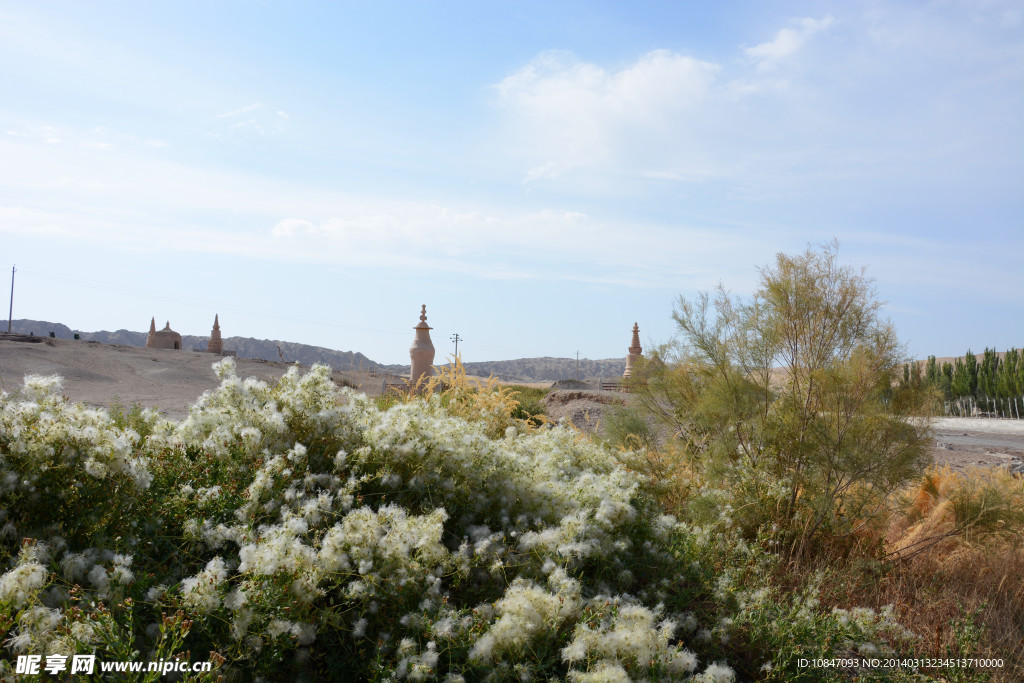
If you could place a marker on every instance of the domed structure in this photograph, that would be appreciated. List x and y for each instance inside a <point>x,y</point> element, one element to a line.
<point>162,339</point>
<point>421,351</point>
<point>216,344</point>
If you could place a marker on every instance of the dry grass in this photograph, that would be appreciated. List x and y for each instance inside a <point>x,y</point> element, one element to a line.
<point>485,401</point>
<point>949,554</point>
<point>953,550</point>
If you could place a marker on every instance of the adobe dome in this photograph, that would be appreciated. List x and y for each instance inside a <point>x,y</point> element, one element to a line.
<point>163,339</point>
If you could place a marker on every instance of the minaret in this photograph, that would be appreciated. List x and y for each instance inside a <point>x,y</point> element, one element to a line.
<point>421,351</point>
<point>216,344</point>
<point>152,333</point>
<point>634,351</point>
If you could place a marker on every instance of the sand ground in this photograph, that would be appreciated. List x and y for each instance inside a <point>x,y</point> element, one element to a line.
<point>168,380</point>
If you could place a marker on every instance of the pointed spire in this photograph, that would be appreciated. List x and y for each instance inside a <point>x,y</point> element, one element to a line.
<point>152,324</point>
<point>216,343</point>
<point>422,350</point>
<point>634,351</point>
<point>635,346</point>
<point>152,333</point>
<point>423,319</point>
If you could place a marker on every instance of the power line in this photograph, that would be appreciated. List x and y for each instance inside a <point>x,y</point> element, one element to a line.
<point>10,311</point>
<point>198,303</point>
<point>206,304</point>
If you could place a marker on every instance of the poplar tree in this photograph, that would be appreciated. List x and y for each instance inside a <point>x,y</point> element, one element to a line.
<point>960,384</point>
<point>932,372</point>
<point>971,364</point>
<point>1007,382</point>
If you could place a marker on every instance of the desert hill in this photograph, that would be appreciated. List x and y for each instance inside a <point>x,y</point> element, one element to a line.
<point>100,374</point>
<point>245,347</point>
<point>546,369</point>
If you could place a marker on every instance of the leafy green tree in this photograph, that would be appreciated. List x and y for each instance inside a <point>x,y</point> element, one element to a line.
<point>947,381</point>
<point>931,371</point>
<point>788,397</point>
<point>971,363</point>
<point>1006,381</point>
<point>960,383</point>
<point>1020,373</point>
<point>987,392</point>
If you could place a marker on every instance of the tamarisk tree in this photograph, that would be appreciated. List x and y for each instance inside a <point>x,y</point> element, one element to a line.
<point>788,396</point>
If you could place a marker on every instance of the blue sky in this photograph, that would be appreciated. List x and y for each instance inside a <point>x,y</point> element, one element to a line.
<point>540,174</point>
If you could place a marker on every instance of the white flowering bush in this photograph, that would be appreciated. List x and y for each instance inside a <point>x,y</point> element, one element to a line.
<point>299,530</point>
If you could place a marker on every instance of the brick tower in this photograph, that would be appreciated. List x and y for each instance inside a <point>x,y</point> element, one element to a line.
<point>216,344</point>
<point>421,351</point>
<point>634,351</point>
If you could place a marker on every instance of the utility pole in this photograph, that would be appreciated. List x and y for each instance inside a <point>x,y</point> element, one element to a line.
<point>10,312</point>
<point>456,338</point>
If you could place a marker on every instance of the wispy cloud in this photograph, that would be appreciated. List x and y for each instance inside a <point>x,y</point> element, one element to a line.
<point>244,122</point>
<point>786,42</point>
<point>241,110</point>
<point>137,200</point>
<point>792,116</point>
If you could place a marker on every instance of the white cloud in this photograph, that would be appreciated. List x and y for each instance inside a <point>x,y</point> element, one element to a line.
<point>252,119</point>
<point>786,42</point>
<point>901,101</point>
<point>242,110</point>
<point>290,227</point>
<point>133,199</point>
<point>250,124</point>
<point>581,114</point>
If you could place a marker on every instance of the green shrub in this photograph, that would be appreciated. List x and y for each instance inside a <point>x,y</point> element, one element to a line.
<point>629,428</point>
<point>300,531</point>
<point>785,400</point>
<point>529,404</point>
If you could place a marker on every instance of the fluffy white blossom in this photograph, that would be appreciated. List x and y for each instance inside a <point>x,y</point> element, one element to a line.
<point>21,583</point>
<point>201,592</point>
<point>525,612</point>
<point>375,522</point>
<point>717,673</point>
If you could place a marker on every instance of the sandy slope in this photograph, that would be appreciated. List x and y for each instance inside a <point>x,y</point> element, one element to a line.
<point>169,380</point>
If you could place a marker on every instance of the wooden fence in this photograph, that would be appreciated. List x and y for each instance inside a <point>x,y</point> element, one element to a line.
<point>1001,408</point>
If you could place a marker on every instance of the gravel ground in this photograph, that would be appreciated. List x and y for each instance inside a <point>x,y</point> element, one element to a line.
<point>963,443</point>
<point>582,408</point>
